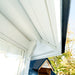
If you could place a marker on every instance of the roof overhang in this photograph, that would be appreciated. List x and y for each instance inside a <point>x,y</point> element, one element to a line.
<point>43,21</point>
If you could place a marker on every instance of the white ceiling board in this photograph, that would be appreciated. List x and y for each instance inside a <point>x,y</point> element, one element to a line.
<point>46,55</point>
<point>31,22</point>
<point>36,9</point>
<point>42,48</point>
<point>15,13</point>
<point>11,32</point>
<point>27,7</point>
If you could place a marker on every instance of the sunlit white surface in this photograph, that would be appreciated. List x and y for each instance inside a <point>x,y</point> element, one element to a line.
<point>72,25</point>
<point>8,64</point>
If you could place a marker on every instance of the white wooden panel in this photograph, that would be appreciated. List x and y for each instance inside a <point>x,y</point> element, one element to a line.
<point>46,55</point>
<point>33,19</point>
<point>44,50</point>
<point>15,13</point>
<point>7,29</point>
<point>37,11</point>
<point>52,18</point>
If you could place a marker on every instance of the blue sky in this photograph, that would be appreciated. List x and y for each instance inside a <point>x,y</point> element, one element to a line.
<point>72,20</point>
<point>72,15</point>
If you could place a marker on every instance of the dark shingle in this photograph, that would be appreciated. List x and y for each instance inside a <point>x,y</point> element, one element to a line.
<point>35,64</point>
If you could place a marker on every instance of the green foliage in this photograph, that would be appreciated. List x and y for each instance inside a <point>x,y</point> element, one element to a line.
<point>65,64</point>
<point>60,65</point>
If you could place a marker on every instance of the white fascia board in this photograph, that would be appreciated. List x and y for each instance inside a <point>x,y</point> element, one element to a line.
<point>58,10</point>
<point>46,55</point>
<point>44,50</point>
<point>53,7</point>
<point>58,13</point>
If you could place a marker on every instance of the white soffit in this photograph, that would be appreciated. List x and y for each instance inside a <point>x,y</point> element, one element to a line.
<point>37,11</point>
<point>46,16</point>
<point>43,14</point>
<point>15,13</point>
<point>44,50</point>
<point>28,20</point>
<point>10,32</point>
